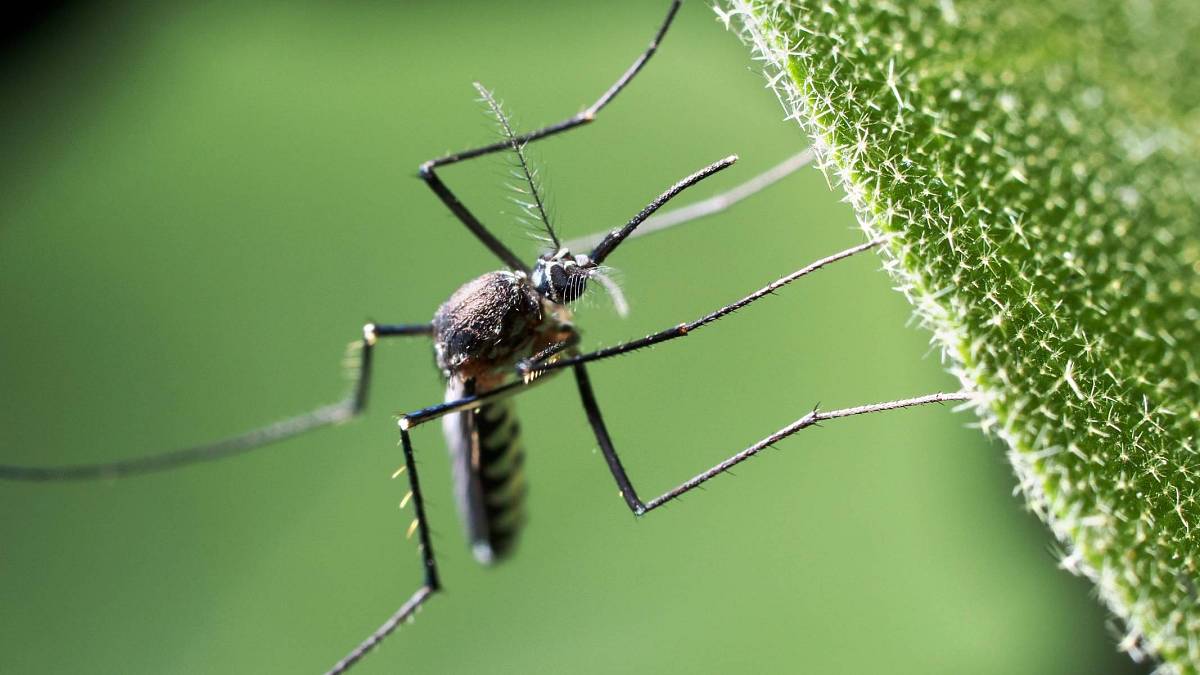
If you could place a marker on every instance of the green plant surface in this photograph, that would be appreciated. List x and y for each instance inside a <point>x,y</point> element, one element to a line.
<point>1036,167</point>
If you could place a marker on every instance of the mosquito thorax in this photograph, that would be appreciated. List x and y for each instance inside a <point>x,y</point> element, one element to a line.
<point>562,277</point>
<point>492,322</point>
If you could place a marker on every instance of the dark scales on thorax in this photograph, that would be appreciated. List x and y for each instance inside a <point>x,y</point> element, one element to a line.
<point>488,325</point>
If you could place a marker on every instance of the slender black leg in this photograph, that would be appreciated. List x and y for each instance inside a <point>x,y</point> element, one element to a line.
<point>372,332</point>
<point>343,410</point>
<point>537,368</point>
<point>428,169</point>
<point>433,412</point>
<point>431,584</point>
<point>606,445</point>
<point>815,417</point>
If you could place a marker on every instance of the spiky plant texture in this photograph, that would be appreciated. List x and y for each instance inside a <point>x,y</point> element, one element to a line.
<point>1037,165</point>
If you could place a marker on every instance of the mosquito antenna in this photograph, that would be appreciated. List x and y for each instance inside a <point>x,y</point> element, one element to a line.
<point>614,238</point>
<point>538,206</point>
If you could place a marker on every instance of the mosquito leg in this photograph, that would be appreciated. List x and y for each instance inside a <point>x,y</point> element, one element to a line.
<point>815,417</point>
<point>372,332</point>
<point>429,174</point>
<point>431,584</point>
<point>683,329</point>
<point>343,410</point>
<point>592,409</point>
<point>433,412</point>
<point>812,418</point>
<point>585,117</point>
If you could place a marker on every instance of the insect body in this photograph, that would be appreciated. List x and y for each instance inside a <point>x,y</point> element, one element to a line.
<point>495,337</point>
<point>479,335</point>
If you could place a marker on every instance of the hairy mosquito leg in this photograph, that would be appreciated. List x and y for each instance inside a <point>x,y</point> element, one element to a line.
<point>812,418</point>
<point>585,117</point>
<point>429,174</point>
<point>343,410</point>
<point>816,416</point>
<point>686,328</point>
<point>432,583</point>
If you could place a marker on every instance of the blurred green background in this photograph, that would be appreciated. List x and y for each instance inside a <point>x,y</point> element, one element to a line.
<point>201,203</point>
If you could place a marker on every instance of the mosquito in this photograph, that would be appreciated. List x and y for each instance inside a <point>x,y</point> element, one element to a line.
<point>499,335</point>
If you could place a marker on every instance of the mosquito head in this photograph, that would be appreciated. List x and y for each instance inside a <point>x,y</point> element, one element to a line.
<point>562,277</point>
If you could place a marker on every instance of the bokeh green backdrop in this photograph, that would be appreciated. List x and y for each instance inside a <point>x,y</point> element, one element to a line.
<point>200,203</point>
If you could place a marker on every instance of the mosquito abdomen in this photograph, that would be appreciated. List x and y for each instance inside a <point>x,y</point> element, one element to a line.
<point>489,477</point>
<point>502,475</point>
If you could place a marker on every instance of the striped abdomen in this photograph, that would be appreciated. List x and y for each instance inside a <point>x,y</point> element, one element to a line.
<point>489,479</point>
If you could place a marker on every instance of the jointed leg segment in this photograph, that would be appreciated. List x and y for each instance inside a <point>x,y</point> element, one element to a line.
<point>334,413</point>
<point>372,332</point>
<point>816,416</point>
<point>432,583</point>
<point>428,170</point>
<point>539,366</point>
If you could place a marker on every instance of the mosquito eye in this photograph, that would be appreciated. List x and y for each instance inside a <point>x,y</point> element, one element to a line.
<point>558,282</point>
